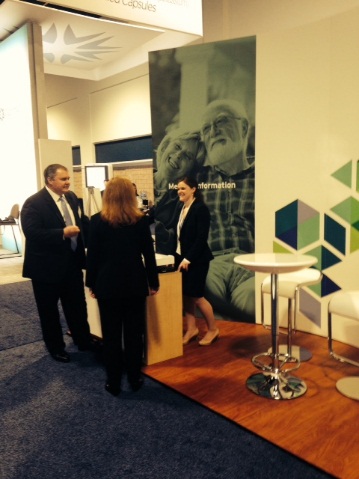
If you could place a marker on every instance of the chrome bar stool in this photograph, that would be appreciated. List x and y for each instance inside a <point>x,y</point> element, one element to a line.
<point>344,304</point>
<point>289,285</point>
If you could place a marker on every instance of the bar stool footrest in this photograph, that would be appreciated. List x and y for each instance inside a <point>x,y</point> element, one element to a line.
<point>291,362</point>
<point>302,354</point>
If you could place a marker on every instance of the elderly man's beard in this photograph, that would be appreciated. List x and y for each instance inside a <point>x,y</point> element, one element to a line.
<point>228,156</point>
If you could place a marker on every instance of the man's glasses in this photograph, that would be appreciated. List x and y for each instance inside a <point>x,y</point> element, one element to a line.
<point>219,122</point>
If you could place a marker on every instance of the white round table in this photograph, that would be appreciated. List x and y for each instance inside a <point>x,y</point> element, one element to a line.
<point>274,382</point>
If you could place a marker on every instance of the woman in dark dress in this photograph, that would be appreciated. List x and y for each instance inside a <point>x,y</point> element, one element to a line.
<point>192,258</point>
<point>121,273</point>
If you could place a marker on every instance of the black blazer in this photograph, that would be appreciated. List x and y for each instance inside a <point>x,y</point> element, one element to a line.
<point>194,233</point>
<point>47,254</point>
<point>120,260</point>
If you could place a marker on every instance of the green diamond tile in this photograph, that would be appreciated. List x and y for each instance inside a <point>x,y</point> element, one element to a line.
<point>348,210</point>
<point>278,248</point>
<point>344,174</point>
<point>308,232</point>
<point>354,240</point>
<point>325,258</point>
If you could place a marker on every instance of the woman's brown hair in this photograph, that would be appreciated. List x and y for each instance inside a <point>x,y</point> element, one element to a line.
<point>119,203</point>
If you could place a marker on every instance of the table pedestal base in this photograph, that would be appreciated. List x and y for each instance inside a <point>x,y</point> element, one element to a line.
<point>276,386</point>
<point>298,352</point>
<point>349,387</point>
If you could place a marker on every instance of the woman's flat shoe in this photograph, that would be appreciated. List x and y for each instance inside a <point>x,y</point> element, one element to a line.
<point>208,342</point>
<point>188,337</point>
<point>136,385</point>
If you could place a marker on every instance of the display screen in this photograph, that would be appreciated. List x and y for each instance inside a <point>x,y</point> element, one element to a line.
<point>96,175</point>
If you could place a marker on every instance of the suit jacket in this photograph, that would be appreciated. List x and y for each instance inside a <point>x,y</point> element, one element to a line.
<point>47,254</point>
<point>121,261</point>
<point>194,233</point>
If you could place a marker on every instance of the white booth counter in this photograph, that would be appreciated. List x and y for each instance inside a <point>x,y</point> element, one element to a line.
<point>164,319</point>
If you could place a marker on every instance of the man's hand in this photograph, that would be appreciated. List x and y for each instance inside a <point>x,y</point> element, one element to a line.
<point>71,231</point>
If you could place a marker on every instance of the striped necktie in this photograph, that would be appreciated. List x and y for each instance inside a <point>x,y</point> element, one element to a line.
<point>68,221</point>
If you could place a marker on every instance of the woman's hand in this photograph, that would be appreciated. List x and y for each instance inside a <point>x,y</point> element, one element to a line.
<point>92,294</point>
<point>153,291</point>
<point>183,265</point>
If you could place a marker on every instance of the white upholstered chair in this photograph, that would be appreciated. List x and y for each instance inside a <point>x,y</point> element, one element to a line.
<point>13,220</point>
<point>344,304</point>
<point>289,285</point>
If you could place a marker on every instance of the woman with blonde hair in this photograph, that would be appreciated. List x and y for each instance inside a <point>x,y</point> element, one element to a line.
<point>121,273</point>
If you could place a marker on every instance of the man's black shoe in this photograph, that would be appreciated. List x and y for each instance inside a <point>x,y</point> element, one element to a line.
<point>62,357</point>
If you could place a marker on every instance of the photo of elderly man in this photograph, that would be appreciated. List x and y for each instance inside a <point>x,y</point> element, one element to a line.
<point>227,182</point>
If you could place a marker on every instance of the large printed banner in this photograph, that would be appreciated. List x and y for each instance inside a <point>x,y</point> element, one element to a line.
<point>180,15</point>
<point>203,125</point>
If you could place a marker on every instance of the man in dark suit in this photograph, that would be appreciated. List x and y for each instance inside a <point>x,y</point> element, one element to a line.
<point>54,259</point>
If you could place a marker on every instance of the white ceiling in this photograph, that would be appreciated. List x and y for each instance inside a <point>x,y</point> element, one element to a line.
<point>83,46</point>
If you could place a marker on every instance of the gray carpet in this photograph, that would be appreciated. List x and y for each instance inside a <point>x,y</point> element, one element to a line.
<point>57,421</point>
<point>19,319</point>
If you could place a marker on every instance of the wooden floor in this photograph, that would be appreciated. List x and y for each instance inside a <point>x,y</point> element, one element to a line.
<point>321,427</point>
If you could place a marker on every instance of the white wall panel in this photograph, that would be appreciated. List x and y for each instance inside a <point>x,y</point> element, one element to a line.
<point>307,117</point>
<point>122,111</point>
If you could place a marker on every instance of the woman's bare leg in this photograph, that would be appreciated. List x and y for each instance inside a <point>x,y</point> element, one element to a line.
<point>190,319</point>
<point>207,312</point>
